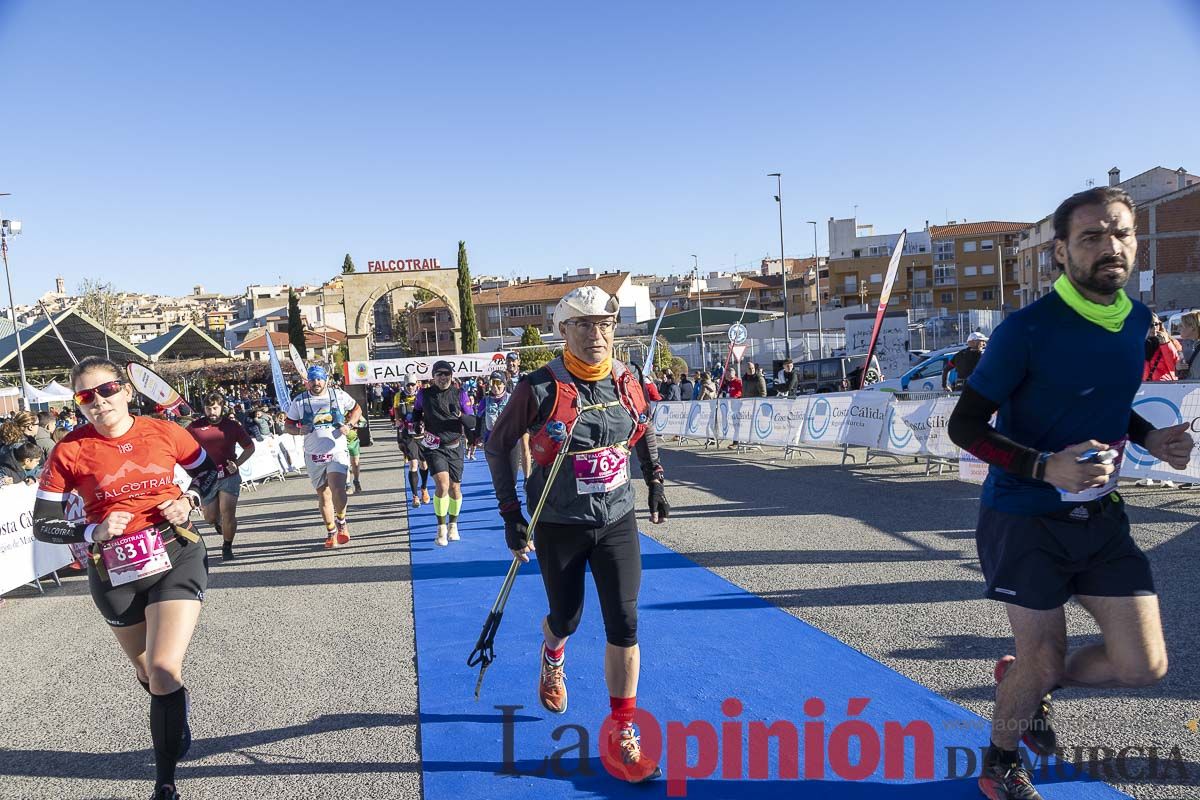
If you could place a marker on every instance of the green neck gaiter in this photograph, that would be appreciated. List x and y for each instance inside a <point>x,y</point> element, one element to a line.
<point>1111,318</point>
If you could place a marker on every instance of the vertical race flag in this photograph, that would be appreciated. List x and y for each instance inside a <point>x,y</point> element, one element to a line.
<point>297,361</point>
<point>888,280</point>
<point>282,395</point>
<point>649,365</point>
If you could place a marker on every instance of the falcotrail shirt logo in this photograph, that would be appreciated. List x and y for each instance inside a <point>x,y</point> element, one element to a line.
<point>133,479</point>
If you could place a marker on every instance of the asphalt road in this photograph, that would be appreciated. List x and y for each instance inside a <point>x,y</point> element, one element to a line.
<point>302,667</point>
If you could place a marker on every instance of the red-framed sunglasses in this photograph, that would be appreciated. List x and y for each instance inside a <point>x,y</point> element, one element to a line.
<point>85,396</point>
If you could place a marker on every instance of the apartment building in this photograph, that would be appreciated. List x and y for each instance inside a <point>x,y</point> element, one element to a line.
<point>975,265</point>
<point>858,262</point>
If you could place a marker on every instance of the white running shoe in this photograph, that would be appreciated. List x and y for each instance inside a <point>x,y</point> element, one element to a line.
<point>441,541</point>
<point>454,531</point>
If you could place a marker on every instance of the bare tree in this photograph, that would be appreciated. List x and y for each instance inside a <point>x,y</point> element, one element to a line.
<point>102,302</point>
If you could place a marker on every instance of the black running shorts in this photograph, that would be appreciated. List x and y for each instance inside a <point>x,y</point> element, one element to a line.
<point>410,446</point>
<point>447,458</point>
<point>1041,562</point>
<point>614,553</point>
<point>125,605</point>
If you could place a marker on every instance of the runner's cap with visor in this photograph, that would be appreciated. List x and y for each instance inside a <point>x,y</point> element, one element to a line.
<point>586,301</point>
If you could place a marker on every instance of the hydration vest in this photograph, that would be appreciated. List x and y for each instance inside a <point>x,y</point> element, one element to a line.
<point>545,444</point>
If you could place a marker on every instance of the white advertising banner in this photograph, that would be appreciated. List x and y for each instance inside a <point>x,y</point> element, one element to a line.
<point>291,451</point>
<point>824,417</point>
<point>1164,405</point>
<point>406,369</point>
<point>263,463</point>
<point>904,427</point>
<point>865,419</point>
<point>22,558</point>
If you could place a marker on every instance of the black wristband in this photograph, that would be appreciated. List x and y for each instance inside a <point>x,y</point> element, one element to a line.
<point>1139,428</point>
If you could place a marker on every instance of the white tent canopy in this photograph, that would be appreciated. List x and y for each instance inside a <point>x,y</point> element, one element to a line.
<point>57,391</point>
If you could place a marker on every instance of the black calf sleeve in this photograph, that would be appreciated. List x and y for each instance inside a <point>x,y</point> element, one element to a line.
<point>424,477</point>
<point>168,716</point>
<point>412,480</point>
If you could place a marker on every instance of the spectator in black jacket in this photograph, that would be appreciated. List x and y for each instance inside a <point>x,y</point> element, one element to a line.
<point>669,389</point>
<point>685,387</point>
<point>754,383</point>
<point>18,463</point>
<point>787,380</point>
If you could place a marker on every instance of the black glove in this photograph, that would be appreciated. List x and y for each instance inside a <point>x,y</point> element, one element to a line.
<point>658,501</point>
<point>516,529</point>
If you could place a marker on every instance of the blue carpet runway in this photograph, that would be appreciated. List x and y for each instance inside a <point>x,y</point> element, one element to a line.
<point>703,641</point>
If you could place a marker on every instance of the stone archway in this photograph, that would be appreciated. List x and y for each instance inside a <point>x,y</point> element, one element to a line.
<point>360,291</point>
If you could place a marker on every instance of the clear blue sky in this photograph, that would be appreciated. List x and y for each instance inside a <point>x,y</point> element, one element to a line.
<point>159,145</point>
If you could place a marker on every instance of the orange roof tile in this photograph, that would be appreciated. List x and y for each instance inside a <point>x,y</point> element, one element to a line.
<point>280,340</point>
<point>975,229</point>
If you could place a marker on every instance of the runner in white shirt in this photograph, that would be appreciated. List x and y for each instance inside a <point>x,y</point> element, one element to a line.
<point>323,415</point>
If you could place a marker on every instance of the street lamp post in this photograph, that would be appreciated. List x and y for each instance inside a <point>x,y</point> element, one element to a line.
<point>817,267</point>
<point>12,227</point>
<point>699,306</point>
<point>787,331</point>
<point>500,317</point>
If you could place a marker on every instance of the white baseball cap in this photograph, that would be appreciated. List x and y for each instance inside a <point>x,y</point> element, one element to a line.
<point>976,336</point>
<point>586,301</point>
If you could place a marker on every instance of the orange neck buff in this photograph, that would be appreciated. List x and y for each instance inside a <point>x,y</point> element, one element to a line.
<point>585,371</point>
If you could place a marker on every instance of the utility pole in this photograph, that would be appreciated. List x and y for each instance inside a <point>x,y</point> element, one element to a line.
<point>817,267</point>
<point>787,333</point>
<point>699,306</point>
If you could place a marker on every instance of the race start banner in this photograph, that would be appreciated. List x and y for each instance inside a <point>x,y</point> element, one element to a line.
<point>401,370</point>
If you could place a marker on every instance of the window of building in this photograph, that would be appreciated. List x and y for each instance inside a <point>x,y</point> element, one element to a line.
<point>987,244</point>
<point>879,250</point>
<point>970,296</point>
<point>857,253</point>
<point>947,297</point>
<point>943,251</point>
<point>987,269</point>
<point>969,247</point>
<point>989,294</point>
<point>944,275</point>
<point>968,272</point>
<point>876,277</point>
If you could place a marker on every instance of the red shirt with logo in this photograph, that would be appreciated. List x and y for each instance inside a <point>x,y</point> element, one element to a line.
<point>220,440</point>
<point>133,472</point>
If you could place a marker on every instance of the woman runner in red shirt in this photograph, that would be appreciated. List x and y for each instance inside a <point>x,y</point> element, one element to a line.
<point>148,568</point>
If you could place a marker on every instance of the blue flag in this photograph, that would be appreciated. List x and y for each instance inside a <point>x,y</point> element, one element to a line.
<point>282,395</point>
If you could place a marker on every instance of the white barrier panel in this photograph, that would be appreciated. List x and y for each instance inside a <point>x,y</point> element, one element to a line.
<point>918,427</point>
<point>294,447</point>
<point>22,558</point>
<point>1163,405</point>
<point>865,419</point>
<point>904,427</point>
<point>263,462</point>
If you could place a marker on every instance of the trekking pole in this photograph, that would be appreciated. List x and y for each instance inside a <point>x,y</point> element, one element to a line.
<point>485,652</point>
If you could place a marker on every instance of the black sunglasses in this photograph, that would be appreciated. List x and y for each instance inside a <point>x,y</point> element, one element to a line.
<point>443,374</point>
<point>85,396</point>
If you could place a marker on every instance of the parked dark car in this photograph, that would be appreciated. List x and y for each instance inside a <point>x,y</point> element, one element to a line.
<point>835,374</point>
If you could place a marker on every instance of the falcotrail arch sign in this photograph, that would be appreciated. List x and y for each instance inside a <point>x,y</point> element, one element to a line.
<point>361,290</point>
